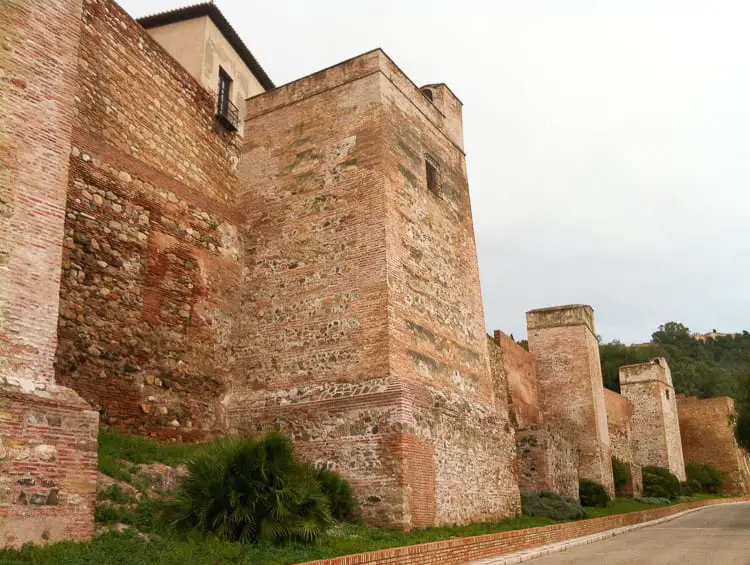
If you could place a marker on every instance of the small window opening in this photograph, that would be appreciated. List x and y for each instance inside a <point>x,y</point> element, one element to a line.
<point>428,93</point>
<point>433,175</point>
<point>226,111</point>
<point>667,393</point>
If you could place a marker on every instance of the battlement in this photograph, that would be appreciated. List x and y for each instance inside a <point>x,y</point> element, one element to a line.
<point>557,316</point>
<point>655,370</point>
<point>440,107</point>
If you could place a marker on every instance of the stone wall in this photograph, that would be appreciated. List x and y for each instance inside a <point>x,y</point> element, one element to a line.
<point>151,262</point>
<point>619,413</point>
<point>47,433</point>
<point>362,325</point>
<point>569,379</point>
<point>547,461</point>
<point>514,374</point>
<point>654,425</point>
<point>707,433</point>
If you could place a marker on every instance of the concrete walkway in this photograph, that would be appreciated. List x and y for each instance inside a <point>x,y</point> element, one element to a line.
<point>717,535</point>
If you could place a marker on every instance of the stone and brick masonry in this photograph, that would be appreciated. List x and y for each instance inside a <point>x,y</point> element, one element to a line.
<point>654,425</point>
<point>362,329</point>
<point>547,459</point>
<point>571,391</point>
<point>619,414</point>
<point>319,277</point>
<point>707,433</point>
<point>47,433</point>
<point>151,261</point>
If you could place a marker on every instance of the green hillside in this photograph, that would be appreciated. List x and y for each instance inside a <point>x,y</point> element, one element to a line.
<point>715,367</point>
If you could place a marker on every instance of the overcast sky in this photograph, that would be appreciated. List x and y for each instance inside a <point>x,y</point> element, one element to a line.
<point>608,142</point>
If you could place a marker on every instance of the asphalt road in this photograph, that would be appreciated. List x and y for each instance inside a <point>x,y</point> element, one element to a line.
<point>713,536</point>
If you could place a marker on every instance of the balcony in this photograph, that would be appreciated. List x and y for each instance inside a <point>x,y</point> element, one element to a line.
<point>227,114</point>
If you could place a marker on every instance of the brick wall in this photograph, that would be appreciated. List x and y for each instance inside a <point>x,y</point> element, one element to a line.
<point>47,434</point>
<point>707,433</point>
<point>514,373</point>
<point>151,265</point>
<point>654,425</point>
<point>362,333</point>
<point>569,380</point>
<point>47,467</point>
<point>459,551</point>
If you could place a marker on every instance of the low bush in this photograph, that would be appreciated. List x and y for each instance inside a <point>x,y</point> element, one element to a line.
<point>621,475</point>
<point>592,494</point>
<point>708,477</point>
<point>652,500</point>
<point>551,505</point>
<point>686,488</point>
<point>249,490</point>
<point>659,482</point>
<point>340,494</point>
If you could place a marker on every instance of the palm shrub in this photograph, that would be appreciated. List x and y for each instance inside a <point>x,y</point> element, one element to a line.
<point>592,494</point>
<point>709,477</point>
<point>249,490</point>
<point>659,482</point>
<point>550,505</point>
<point>621,475</point>
<point>339,492</point>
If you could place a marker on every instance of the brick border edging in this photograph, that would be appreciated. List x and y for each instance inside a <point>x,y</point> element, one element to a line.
<point>458,551</point>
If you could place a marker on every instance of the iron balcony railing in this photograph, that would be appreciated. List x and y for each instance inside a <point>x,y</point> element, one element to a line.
<point>228,114</point>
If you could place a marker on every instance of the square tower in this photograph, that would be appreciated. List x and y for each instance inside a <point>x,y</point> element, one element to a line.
<point>563,341</point>
<point>655,425</point>
<point>362,329</point>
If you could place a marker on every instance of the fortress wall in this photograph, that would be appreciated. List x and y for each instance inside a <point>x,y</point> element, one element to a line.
<point>151,262</point>
<point>707,433</point>
<point>654,426</point>
<point>362,320</point>
<point>569,379</point>
<point>47,433</point>
<point>437,333</point>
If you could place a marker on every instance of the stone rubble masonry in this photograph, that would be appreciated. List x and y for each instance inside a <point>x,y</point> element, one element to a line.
<point>654,425</point>
<point>563,341</point>
<point>514,374</point>
<point>362,329</point>
<point>547,461</point>
<point>465,551</point>
<point>47,433</point>
<point>152,255</point>
<point>619,413</point>
<point>707,432</point>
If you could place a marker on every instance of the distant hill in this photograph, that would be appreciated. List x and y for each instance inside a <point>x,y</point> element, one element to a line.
<point>707,365</point>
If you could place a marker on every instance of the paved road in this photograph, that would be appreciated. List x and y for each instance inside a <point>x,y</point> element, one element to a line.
<point>712,536</point>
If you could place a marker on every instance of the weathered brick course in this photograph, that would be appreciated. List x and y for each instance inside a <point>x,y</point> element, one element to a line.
<point>47,433</point>
<point>569,379</point>
<point>654,425</point>
<point>362,316</point>
<point>707,433</point>
<point>151,262</point>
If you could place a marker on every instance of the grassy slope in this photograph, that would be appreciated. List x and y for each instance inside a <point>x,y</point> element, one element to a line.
<point>118,456</point>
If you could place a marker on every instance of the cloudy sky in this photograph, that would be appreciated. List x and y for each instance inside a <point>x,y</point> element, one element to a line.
<point>608,142</point>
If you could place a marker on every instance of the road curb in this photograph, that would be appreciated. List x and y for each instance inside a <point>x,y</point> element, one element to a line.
<point>541,551</point>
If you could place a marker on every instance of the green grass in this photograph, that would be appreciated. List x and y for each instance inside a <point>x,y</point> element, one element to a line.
<point>167,549</point>
<point>163,546</point>
<point>140,450</point>
<point>624,505</point>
